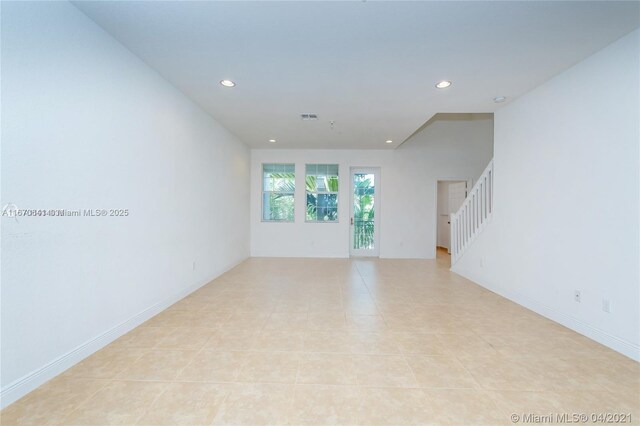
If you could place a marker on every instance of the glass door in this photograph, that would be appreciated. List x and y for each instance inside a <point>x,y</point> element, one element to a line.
<point>365,205</point>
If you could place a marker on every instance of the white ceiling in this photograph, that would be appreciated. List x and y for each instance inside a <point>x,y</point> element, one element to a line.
<point>369,66</point>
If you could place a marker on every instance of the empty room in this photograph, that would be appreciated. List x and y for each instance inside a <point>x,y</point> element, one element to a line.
<point>320,213</point>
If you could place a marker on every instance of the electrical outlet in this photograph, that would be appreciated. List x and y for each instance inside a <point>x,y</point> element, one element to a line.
<point>606,305</point>
<point>577,296</point>
<point>481,262</point>
<point>194,265</point>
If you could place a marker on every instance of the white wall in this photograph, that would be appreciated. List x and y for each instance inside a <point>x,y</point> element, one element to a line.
<point>559,224</point>
<point>452,147</point>
<point>87,125</point>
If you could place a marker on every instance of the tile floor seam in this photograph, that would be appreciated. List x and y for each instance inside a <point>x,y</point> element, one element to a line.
<point>215,415</point>
<point>473,377</point>
<point>413,373</point>
<point>81,404</point>
<point>192,359</point>
<point>137,422</point>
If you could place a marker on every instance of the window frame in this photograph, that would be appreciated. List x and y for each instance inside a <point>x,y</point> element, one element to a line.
<point>337,193</point>
<point>263,192</point>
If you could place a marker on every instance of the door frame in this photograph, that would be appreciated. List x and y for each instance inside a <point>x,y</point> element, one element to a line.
<point>437,214</point>
<point>376,171</point>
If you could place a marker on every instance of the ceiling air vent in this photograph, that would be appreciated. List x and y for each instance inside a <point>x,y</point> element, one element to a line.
<point>308,116</point>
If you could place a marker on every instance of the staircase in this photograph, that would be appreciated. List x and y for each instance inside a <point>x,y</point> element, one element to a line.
<point>469,221</point>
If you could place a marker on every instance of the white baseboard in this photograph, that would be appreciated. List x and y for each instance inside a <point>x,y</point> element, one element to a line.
<point>619,345</point>
<point>19,388</point>
<point>297,256</point>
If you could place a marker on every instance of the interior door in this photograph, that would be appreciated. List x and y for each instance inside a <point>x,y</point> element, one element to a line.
<point>365,207</point>
<point>443,214</point>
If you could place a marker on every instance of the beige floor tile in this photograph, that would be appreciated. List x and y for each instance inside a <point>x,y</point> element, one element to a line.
<point>142,337</point>
<point>279,341</point>
<point>325,405</point>
<point>394,406</point>
<point>328,341</point>
<point>172,318</point>
<point>185,338</point>
<point>187,404</point>
<point>560,373</point>
<point>366,323</point>
<point>373,343</point>
<point>158,365</point>
<point>383,370</point>
<point>516,373</point>
<point>338,341</point>
<point>107,363</point>
<point>327,321</point>
<point>420,343</point>
<point>246,321</point>
<point>594,373</point>
<point>119,403</point>
<point>601,402</point>
<point>440,372</point>
<point>325,305</point>
<point>189,303</point>
<point>332,369</point>
<point>252,404</point>
<point>404,322</point>
<point>522,344</point>
<point>526,402</point>
<point>232,340</point>
<point>220,304</point>
<point>292,306</point>
<point>447,326</point>
<point>594,348</point>
<point>209,366</point>
<point>211,319</point>
<point>284,322</point>
<point>557,403</point>
<point>268,367</point>
<point>359,308</point>
<point>462,407</point>
<point>466,346</point>
<point>51,403</point>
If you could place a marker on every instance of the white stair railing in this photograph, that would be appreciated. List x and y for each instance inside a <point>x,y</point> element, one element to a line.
<point>473,215</point>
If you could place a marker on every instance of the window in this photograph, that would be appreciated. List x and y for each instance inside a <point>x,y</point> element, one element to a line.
<point>322,192</point>
<point>278,188</point>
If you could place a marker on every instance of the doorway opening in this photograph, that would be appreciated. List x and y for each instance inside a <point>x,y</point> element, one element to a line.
<point>450,196</point>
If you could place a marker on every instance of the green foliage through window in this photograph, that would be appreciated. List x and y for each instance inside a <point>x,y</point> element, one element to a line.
<point>278,189</point>
<point>363,211</point>
<point>322,192</point>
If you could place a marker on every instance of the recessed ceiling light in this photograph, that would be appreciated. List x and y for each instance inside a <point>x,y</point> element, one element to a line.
<point>227,83</point>
<point>389,141</point>
<point>272,140</point>
<point>499,99</point>
<point>443,84</point>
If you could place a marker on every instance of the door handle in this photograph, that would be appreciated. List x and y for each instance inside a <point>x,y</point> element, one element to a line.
<point>352,221</point>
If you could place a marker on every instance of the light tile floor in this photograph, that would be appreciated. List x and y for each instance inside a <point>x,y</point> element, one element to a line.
<point>320,341</point>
